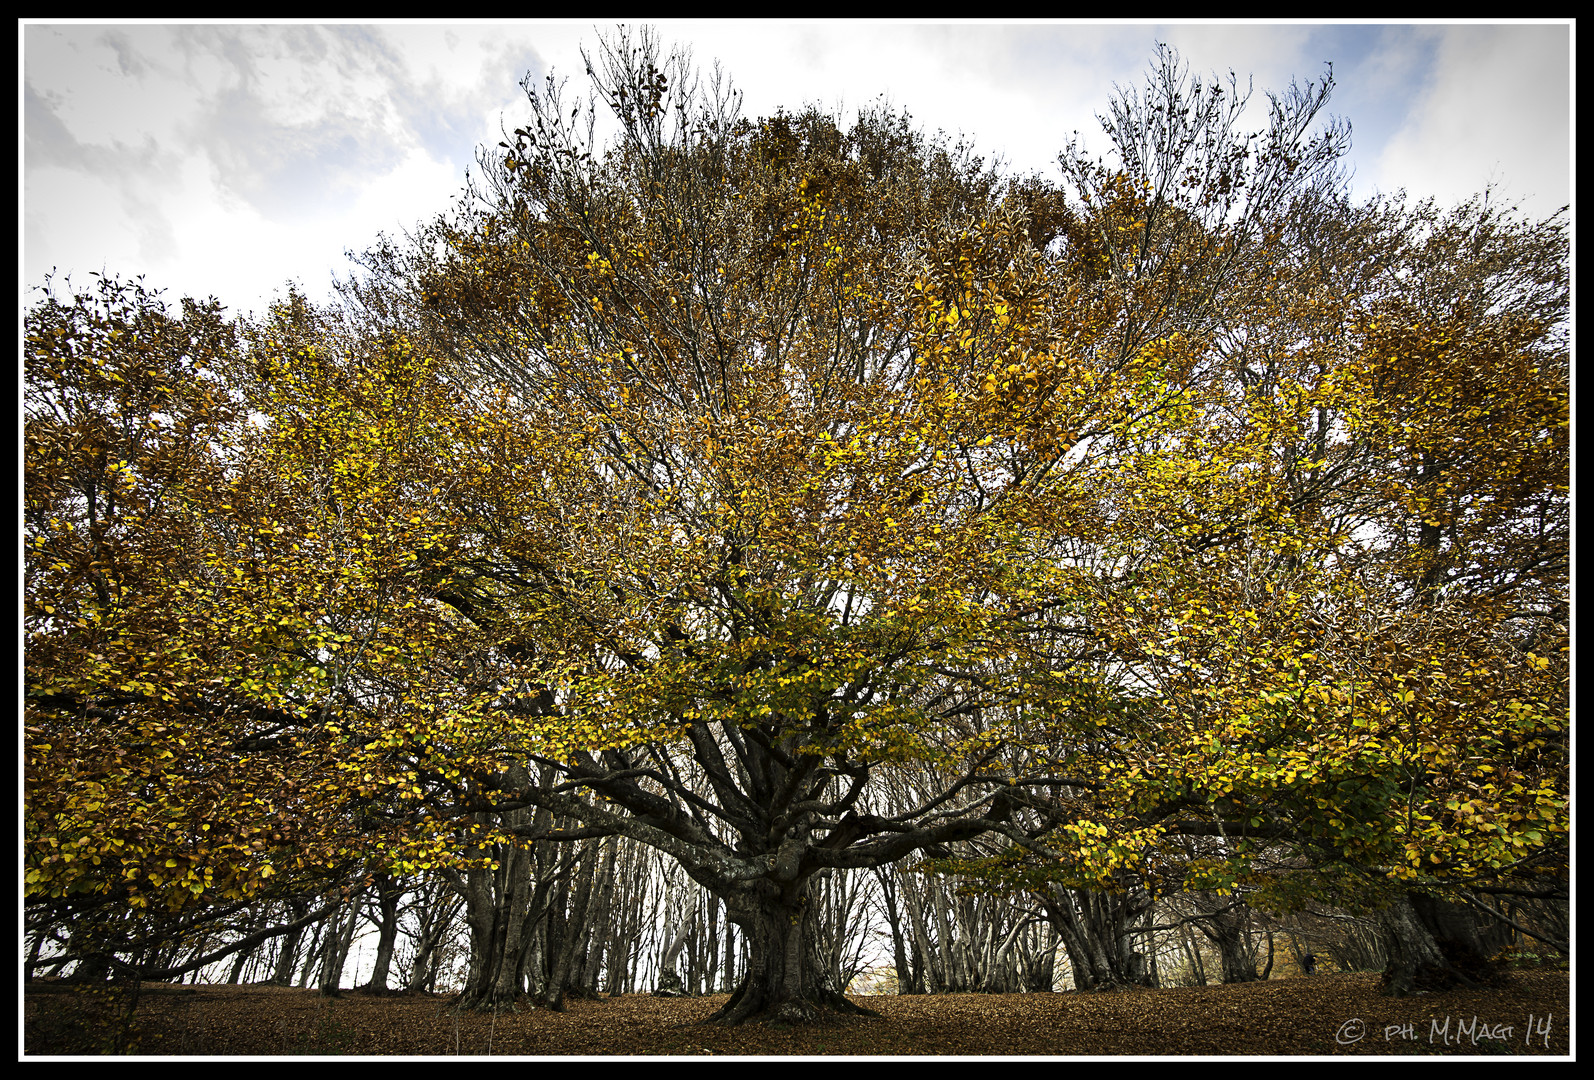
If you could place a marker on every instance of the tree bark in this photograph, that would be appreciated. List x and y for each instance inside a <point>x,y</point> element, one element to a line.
<point>388,895</point>
<point>499,906</point>
<point>669,984</point>
<point>242,956</point>
<point>589,959</point>
<point>282,975</point>
<point>711,951</point>
<point>553,996</point>
<point>899,945</point>
<point>338,940</point>
<point>495,906</point>
<point>318,940</point>
<point>1193,953</point>
<point>785,981</point>
<point>1433,945</point>
<point>1095,927</point>
<point>926,979</point>
<point>728,968</point>
<point>1228,927</point>
<point>435,918</point>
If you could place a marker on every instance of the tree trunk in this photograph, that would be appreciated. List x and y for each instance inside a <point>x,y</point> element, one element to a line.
<point>556,892</point>
<point>497,905</point>
<point>669,984</point>
<point>553,996</point>
<point>1040,959</point>
<point>953,977</point>
<point>589,961</point>
<point>323,930</point>
<point>711,951</point>
<point>435,920</point>
<point>899,945</point>
<point>338,940</point>
<point>1095,928</point>
<point>694,969</point>
<point>1433,945</point>
<point>625,922</point>
<point>1414,957</point>
<point>785,981</point>
<point>728,969</point>
<point>388,895</point>
<point>925,977</point>
<point>1228,927</point>
<point>1193,953</point>
<point>241,957</point>
<point>282,975</point>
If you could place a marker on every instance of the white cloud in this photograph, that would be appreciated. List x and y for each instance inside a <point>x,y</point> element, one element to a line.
<point>1496,109</point>
<point>230,158</point>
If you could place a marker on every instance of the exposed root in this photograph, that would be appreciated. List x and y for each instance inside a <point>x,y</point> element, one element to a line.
<point>821,1007</point>
<point>503,1003</point>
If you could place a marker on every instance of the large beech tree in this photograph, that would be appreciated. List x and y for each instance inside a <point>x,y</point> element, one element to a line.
<point>715,487</point>
<point>879,457</point>
<point>801,407</point>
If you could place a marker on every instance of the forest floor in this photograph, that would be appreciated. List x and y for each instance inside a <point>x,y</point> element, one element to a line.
<point>1527,1013</point>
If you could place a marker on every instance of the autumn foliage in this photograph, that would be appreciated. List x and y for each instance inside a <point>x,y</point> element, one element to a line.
<point>1196,526</point>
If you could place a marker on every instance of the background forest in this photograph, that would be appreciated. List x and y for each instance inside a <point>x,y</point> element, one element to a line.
<point>756,555</point>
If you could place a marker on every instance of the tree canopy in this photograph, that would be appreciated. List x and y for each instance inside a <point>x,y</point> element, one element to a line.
<point>1183,524</point>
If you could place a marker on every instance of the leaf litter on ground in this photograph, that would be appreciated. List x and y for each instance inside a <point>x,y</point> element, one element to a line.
<point>1527,1013</point>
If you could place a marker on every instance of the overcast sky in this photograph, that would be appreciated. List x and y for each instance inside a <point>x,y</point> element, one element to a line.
<point>227,159</point>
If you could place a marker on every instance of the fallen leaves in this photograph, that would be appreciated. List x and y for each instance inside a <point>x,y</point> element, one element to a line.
<point>1325,1015</point>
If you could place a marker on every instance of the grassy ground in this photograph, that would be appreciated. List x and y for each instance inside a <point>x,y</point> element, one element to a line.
<point>1527,1013</point>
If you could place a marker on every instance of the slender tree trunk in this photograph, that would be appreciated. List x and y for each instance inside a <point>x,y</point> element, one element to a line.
<point>435,919</point>
<point>925,977</point>
<point>728,969</point>
<point>899,945</point>
<point>625,925</point>
<point>669,981</point>
<point>553,996</point>
<point>336,953</point>
<point>388,895</point>
<point>711,952</point>
<point>323,930</point>
<point>241,957</point>
<point>1193,954</point>
<point>589,961</point>
<point>556,918</point>
<point>282,975</point>
<point>953,976</point>
<point>694,969</point>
